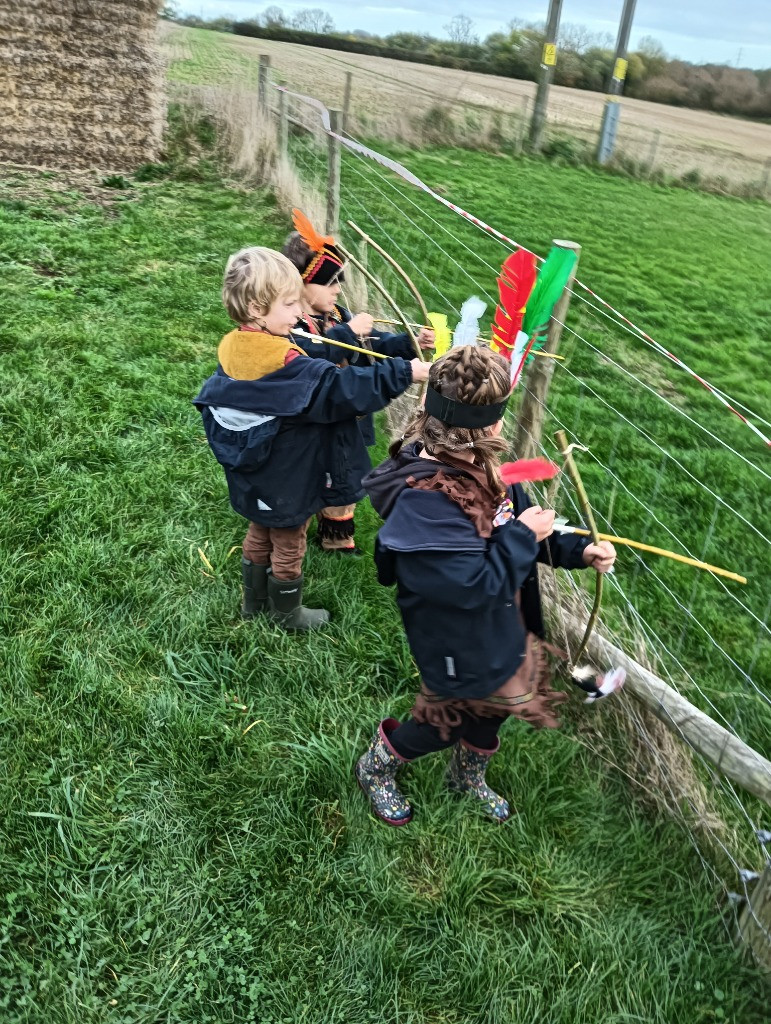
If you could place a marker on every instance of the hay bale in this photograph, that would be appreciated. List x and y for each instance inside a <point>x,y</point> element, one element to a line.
<point>81,83</point>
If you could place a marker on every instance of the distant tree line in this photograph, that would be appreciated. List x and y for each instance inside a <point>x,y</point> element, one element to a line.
<point>585,59</point>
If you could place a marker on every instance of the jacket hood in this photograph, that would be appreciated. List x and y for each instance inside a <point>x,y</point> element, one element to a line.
<point>387,481</point>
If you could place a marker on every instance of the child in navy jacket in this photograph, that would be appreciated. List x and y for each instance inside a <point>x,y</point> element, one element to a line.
<point>462,550</point>
<point>284,428</point>
<point>321,266</point>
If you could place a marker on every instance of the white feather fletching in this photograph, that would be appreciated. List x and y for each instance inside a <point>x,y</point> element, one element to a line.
<point>467,331</point>
<point>518,351</point>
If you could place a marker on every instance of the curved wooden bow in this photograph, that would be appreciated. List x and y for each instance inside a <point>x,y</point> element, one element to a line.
<point>578,483</point>
<point>397,267</point>
<point>386,295</point>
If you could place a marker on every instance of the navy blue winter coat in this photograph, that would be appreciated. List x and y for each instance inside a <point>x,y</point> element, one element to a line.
<point>456,590</point>
<point>382,341</point>
<point>290,442</point>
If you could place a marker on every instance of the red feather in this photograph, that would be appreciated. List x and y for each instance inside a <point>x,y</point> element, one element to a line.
<point>524,470</point>
<point>515,286</point>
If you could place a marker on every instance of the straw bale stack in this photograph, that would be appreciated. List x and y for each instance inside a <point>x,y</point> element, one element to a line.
<point>81,83</point>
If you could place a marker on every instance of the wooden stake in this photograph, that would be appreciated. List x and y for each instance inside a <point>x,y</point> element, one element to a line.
<point>262,81</point>
<point>755,921</point>
<point>538,379</point>
<point>333,174</point>
<point>347,99</point>
<point>283,125</point>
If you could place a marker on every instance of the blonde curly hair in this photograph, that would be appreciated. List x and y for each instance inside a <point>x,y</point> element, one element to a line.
<point>260,275</point>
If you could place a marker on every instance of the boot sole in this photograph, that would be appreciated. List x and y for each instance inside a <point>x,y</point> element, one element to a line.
<point>387,821</point>
<point>247,615</point>
<point>276,618</point>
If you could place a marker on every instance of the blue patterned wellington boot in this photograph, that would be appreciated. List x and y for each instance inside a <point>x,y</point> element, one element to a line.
<point>466,774</point>
<point>376,770</point>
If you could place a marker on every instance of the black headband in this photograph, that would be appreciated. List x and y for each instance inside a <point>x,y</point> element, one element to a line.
<point>324,267</point>
<point>459,414</point>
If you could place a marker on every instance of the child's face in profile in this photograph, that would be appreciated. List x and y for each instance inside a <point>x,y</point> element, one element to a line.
<point>281,316</point>
<point>322,297</point>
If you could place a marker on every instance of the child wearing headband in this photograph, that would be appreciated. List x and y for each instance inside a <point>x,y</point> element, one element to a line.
<point>322,268</point>
<point>462,550</point>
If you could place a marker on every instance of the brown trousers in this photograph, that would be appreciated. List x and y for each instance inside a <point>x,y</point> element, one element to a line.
<point>282,550</point>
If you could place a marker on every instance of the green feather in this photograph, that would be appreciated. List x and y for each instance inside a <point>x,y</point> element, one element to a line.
<point>553,276</point>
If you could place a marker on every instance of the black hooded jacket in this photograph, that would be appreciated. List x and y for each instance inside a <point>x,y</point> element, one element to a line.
<point>456,590</point>
<point>289,442</point>
<point>385,343</point>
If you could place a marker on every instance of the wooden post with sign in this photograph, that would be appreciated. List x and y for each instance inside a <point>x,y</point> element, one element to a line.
<point>548,63</point>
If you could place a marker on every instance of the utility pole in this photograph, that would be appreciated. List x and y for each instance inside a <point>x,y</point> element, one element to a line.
<point>611,113</point>
<point>548,62</point>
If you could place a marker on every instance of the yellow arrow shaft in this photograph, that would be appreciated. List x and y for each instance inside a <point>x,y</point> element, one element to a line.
<point>666,554</point>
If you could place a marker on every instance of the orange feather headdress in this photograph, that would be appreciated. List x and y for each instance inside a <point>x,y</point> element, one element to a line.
<point>326,264</point>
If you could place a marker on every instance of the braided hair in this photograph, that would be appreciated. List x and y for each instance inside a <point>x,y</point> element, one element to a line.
<point>473,375</point>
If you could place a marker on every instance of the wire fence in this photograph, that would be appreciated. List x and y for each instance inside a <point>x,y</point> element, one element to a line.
<point>659,468</point>
<point>419,105</point>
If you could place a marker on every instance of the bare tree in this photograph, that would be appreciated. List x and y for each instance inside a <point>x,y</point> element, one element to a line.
<point>274,16</point>
<point>313,19</point>
<point>460,29</point>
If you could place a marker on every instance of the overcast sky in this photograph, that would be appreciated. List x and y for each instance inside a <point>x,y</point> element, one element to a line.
<point>696,30</point>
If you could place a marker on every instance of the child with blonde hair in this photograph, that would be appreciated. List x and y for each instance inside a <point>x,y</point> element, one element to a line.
<point>462,550</point>
<point>284,428</point>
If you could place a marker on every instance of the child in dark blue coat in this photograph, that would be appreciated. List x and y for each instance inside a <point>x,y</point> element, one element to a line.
<point>284,427</point>
<point>322,268</point>
<point>462,550</point>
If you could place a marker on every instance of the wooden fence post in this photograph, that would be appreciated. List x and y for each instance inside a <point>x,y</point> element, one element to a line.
<point>262,81</point>
<point>653,151</point>
<point>538,378</point>
<point>523,124</point>
<point>347,99</point>
<point>766,177</point>
<point>755,921</point>
<point>333,174</point>
<point>283,125</point>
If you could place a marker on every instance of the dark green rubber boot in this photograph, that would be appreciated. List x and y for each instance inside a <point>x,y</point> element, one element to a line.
<point>286,606</point>
<point>255,581</point>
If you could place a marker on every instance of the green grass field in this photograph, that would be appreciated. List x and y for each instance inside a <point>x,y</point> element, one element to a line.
<point>689,268</point>
<point>159,862</point>
<point>182,840</point>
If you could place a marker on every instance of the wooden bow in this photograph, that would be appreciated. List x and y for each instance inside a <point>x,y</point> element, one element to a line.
<point>386,295</point>
<point>578,483</point>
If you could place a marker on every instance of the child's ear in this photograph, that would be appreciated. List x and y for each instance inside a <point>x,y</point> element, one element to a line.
<point>495,429</point>
<point>254,310</point>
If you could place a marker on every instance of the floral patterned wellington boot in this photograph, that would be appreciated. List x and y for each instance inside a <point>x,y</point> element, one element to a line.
<point>466,774</point>
<point>376,770</point>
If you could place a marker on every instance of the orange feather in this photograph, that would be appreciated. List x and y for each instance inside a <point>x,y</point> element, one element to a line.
<point>308,233</point>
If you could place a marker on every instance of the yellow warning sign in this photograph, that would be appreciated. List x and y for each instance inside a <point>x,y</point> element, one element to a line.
<point>549,54</point>
<point>619,71</point>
